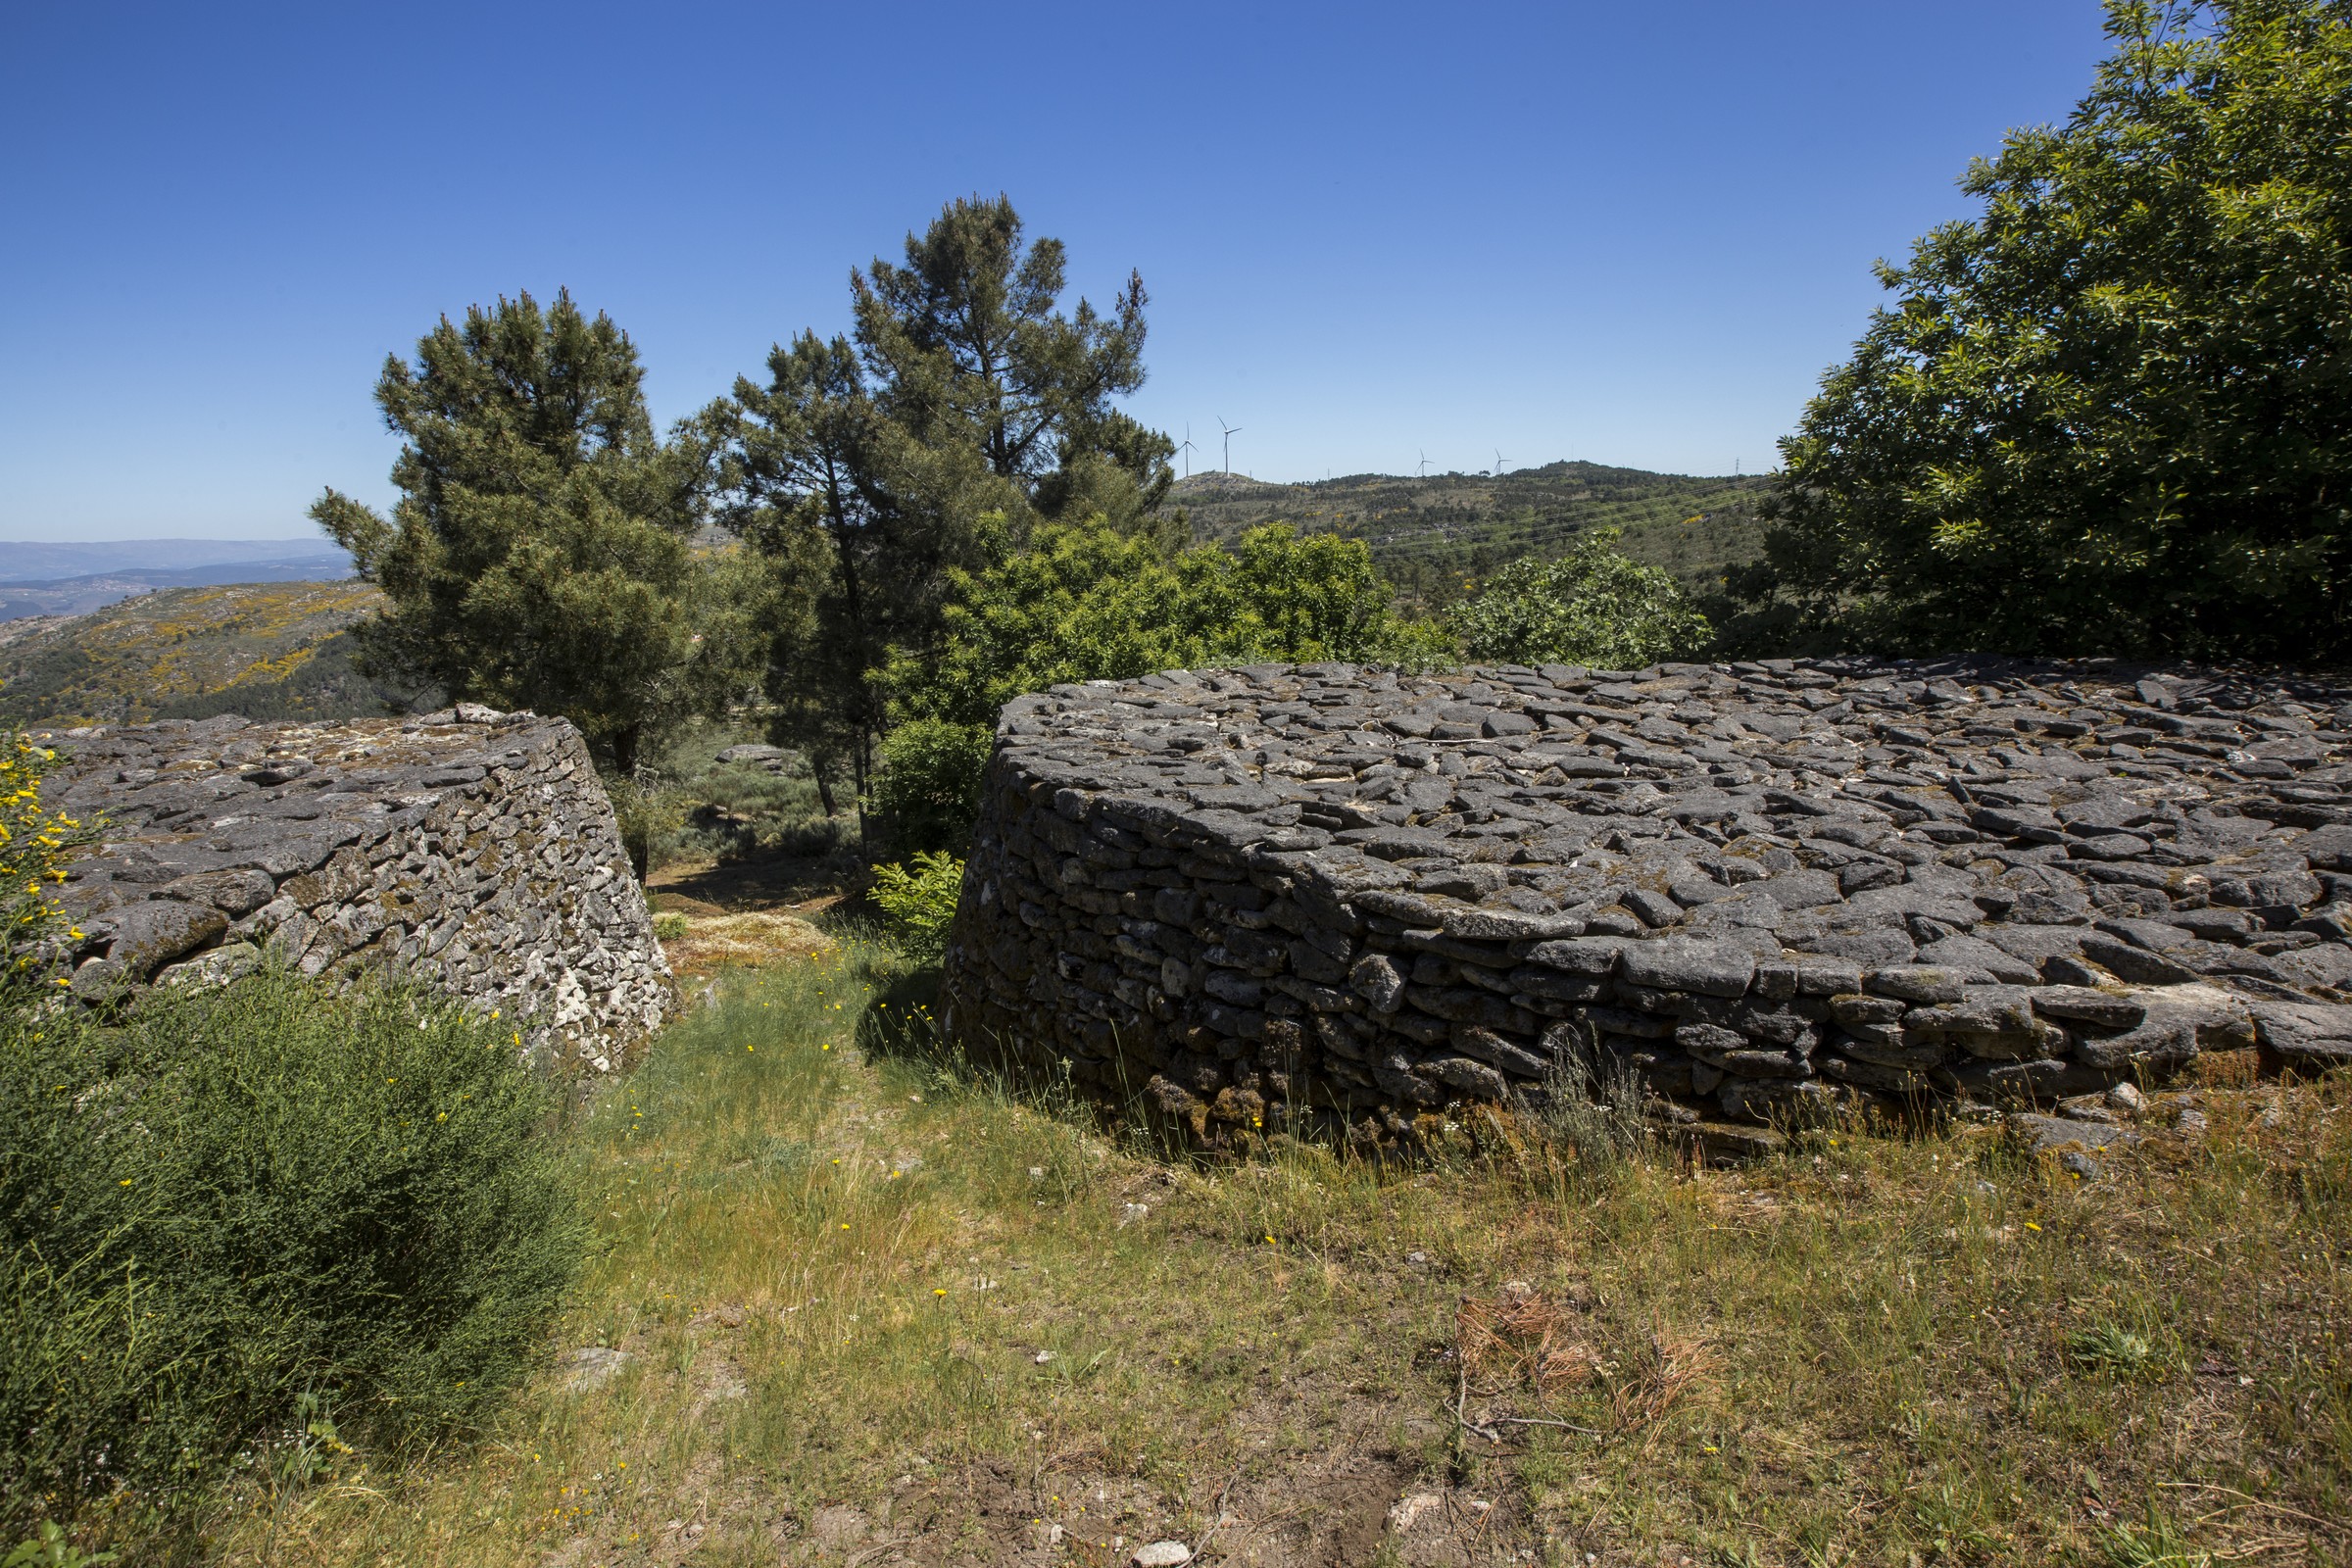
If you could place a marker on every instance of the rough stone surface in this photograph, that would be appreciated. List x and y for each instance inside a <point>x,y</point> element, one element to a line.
<point>1281,893</point>
<point>474,848</point>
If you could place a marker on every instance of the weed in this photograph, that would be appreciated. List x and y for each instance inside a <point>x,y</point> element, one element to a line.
<point>2156,1542</point>
<point>2110,1348</point>
<point>1591,1108</point>
<point>49,1549</point>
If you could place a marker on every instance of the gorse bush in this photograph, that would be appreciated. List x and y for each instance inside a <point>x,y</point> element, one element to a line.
<point>920,904</point>
<point>35,842</point>
<point>241,1200</point>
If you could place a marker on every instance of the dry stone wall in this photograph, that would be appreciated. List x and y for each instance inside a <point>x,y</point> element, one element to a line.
<point>1328,893</point>
<point>474,848</point>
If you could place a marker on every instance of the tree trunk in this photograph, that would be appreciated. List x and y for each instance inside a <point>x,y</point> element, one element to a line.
<point>818,763</point>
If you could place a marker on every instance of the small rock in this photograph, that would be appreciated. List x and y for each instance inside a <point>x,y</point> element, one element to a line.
<point>1410,1508</point>
<point>591,1366</point>
<point>1042,1357</point>
<point>2192,1123</point>
<point>1129,1213</point>
<point>2127,1098</point>
<point>1162,1555</point>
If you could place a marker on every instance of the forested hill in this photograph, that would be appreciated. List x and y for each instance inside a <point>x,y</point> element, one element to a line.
<point>274,650</point>
<point>1427,534</point>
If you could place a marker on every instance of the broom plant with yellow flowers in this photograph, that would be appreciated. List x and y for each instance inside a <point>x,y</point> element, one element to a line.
<point>35,843</point>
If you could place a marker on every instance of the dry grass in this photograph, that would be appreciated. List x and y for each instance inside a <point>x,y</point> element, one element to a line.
<point>705,945</point>
<point>875,1310</point>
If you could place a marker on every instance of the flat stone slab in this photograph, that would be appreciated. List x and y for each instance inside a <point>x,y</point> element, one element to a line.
<point>473,849</point>
<point>1763,889</point>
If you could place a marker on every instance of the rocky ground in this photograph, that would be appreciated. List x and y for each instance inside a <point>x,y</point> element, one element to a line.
<point>1766,888</point>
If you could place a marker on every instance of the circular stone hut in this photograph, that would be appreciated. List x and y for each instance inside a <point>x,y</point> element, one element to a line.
<point>1328,894</point>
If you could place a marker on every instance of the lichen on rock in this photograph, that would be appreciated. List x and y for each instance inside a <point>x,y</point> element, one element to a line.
<point>1329,893</point>
<point>472,848</point>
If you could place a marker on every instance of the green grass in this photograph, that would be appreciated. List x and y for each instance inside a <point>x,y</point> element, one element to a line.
<point>876,1304</point>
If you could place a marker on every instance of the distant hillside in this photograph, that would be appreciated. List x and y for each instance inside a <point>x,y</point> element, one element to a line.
<point>275,649</point>
<point>79,596</point>
<point>41,560</point>
<point>1429,534</point>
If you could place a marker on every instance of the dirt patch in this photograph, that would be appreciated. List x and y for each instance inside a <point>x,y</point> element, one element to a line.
<point>713,942</point>
<point>781,883</point>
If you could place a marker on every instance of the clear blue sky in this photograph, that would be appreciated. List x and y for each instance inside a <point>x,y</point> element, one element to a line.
<point>1630,233</point>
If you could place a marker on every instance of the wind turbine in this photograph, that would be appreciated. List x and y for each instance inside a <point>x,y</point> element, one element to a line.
<point>1231,430</point>
<point>1187,449</point>
<point>1499,460</point>
<point>1424,464</point>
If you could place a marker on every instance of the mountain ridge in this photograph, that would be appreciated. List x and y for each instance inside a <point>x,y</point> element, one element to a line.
<point>1438,535</point>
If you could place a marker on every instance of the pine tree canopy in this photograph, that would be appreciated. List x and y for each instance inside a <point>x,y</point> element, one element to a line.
<point>539,553</point>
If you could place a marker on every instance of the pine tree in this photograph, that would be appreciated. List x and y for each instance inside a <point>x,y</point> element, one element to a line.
<point>871,469</point>
<point>539,556</point>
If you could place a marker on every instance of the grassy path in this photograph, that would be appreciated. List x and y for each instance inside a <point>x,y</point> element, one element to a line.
<point>850,1308</point>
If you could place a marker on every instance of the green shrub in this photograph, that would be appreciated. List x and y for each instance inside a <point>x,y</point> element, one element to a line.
<point>241,1204</point>
<point>927,789</point>
<point>1592,606</point>
<point>920,904</point>
<point>35,843</point>
<point>1085,601</point>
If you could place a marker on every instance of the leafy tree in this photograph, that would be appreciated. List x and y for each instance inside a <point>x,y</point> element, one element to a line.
<point>865,467</point>
<point>1589,607</point>
<point>1088,601</point>
<point>539,556</point>
<point>927,790</point>
<point>1085,601</point>
<point>2113,413</point>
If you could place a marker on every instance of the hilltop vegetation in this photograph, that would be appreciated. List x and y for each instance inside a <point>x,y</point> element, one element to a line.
<point>277,650</point>
<point>1429,534</point>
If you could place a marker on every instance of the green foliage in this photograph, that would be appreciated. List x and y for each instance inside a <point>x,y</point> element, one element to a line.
<point>49,1549</point>
<point>927,791</point>
<point>971,355</point>
<point>1089,602</point>
<point>1589,607</point>
<point>2112,413</point>
<point>645,812</point>
<point>920,904</point>
<point>241,1197</point>
<point>862,470</point>
<point>1437,536</point>
<point>35,843</point>
<point>539,555</point>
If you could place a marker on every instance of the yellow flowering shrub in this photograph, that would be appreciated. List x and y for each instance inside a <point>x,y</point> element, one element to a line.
<point>35,843</point>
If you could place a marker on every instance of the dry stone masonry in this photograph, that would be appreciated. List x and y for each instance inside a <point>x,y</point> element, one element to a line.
<point>1332,893</point>
<point>474,848</point>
